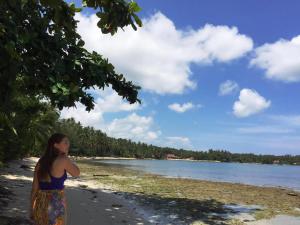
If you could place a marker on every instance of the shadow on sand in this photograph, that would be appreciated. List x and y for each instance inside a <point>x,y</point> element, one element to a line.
<point>156,210</point>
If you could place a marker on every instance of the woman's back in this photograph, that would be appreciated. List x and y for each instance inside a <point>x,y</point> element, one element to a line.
<point>58,174</point>
<point>58,167</point>
<point>56,183</point>
<point>48,200</point>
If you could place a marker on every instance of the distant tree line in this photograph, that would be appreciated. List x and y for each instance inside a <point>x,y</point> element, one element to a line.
<point>42,120</point>
<point>87,141</point>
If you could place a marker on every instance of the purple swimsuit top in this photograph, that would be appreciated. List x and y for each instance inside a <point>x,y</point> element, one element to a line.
<point>56,183</point>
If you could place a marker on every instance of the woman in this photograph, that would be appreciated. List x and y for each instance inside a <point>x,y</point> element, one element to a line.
<point>48,201</point>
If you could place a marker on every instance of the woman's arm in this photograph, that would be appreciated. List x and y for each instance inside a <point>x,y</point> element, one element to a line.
<point>35,188</point>
<point>71,167</point>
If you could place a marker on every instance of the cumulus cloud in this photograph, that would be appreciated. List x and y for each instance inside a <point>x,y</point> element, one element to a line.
<point>178,142</point>
<point>93,118</point>
<point>106,100</point>
<point>184,107</point>
<point>158,56</point>
<point>280,60</point>
<point>228,87</point>
<point>249,103</point>
<point>134,127</point>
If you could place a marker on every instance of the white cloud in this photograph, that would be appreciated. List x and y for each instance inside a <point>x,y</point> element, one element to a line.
<point>134,127</point>
<point>158,56</point>
<point>93,118</point>
<point>184,107</point>
<point>281,59</point>
<point>249,103</point>
<point>106,100</point>
<point>178,142</point>
<point>228,87</point>
<point>221,43</point>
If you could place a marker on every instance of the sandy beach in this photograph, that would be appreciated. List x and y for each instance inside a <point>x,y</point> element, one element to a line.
<point>91,202</point>
<point>87,203</point>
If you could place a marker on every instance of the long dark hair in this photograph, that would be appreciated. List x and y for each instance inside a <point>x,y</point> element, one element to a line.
<point>51,153</point>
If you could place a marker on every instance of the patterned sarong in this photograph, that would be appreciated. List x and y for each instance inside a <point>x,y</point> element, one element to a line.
<point>50,208</point>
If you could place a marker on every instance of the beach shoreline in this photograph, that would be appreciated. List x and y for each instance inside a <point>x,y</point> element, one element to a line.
<point>124,158</point>
<point>267,194</point>
<point>138,194</point>
<point>130,158</point>
<point>174,159</point>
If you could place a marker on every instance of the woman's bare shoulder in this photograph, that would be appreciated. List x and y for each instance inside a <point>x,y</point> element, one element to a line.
<point>61,160</point>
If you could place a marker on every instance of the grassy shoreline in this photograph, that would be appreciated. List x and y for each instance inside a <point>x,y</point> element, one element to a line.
<point>189,198</point>
<point>187,159</point>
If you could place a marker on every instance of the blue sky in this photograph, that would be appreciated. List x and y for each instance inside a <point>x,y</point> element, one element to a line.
<point>214,74</point>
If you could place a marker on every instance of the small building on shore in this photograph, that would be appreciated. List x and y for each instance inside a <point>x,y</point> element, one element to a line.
<point>190,158</point>
<point>171,156</point>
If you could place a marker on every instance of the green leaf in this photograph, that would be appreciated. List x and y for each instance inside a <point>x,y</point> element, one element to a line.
<point>73,7</point>
<point>133,26</point>
<point>65,90</point>
<point>137,20</point>
<point>54,89</point>
<point>134,7</point>
<point>78,9</point>
<point>59,85</point>
<point>81,43</point>
<point>4,119</point>
<point>77,62</point>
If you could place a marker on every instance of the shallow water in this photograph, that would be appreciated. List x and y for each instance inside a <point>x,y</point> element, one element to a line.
<point>287,176</point>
